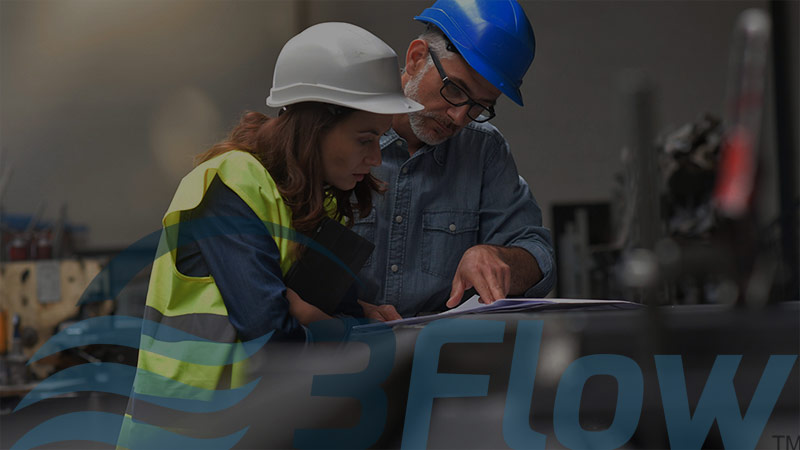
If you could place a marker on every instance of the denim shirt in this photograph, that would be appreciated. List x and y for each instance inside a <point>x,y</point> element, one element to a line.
<point>440,202</point>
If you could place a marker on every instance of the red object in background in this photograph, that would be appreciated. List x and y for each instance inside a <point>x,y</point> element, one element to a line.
<point>733,192</point>
<point>18,249</point>
<point>44,247</point>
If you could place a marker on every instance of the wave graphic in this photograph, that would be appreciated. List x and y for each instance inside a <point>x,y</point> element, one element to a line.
<point>128,263</point>
<point>104,427</point>
<point>155,337</point>
<point>114,330</point>
<point>114,378</point>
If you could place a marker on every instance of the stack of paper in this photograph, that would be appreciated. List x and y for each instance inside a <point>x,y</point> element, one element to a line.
<point>473,306</point>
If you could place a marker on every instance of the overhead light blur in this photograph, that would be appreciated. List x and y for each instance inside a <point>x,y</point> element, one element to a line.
<point>184,124</point>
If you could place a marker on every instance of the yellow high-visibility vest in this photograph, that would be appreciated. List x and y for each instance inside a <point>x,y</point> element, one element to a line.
<point>194,304</point>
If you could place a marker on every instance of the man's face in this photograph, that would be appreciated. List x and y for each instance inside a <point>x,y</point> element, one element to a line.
<point>440,120</point>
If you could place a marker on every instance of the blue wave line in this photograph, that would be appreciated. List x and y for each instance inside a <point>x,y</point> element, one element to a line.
<point>101,377</point>
<point>114,330</point>
<point>118,378</point>
<point>155,337</point>
<point>104,427</point>
<point>124,267</point>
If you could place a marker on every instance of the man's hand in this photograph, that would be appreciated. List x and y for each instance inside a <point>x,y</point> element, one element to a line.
<point>380,313</point>
<point>495,272</point>
<point>303,311</point>
<point>482,268</point>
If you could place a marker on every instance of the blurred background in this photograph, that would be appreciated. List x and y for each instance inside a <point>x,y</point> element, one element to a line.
<point>628,108</point>
<point>104,103</point>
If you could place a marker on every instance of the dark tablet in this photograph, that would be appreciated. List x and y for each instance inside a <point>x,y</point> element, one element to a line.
<point>321,277</point>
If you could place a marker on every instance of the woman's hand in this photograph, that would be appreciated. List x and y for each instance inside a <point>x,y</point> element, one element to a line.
<point>380,313</point>
<point>304,312</point>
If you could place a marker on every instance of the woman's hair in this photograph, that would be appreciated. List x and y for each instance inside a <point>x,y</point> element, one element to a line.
<point>289,147</point>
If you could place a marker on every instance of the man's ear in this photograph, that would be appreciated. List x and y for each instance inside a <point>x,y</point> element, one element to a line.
<point>416,56</point>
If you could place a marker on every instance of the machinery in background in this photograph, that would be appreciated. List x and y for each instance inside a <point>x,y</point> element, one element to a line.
<point>37,299</point>
<point>26,237</point>
<point>711,177</point>
<point>45,269</point>
<point>586,257</point>
<point>42,277</point>
<point>688,225</point>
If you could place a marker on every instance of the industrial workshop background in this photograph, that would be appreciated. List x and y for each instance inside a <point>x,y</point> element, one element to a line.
<point>105,103</point>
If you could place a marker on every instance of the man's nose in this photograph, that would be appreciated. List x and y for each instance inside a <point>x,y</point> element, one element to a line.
<point>458,114</point>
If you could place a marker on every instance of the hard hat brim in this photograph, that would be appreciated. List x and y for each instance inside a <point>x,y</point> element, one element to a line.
<point>390,103</point>
<point>503,83</point>
<point>475,60</point>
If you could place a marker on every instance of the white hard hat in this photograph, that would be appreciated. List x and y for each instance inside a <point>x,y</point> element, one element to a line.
<point>341,64</point>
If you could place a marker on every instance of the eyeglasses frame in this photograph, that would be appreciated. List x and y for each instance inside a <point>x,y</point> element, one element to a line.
<point>446,81</point>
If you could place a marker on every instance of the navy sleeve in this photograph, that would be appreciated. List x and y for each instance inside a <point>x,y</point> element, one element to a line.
<point>232,245</point>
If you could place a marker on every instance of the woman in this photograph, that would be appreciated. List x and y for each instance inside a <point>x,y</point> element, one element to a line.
<point>227,240</point>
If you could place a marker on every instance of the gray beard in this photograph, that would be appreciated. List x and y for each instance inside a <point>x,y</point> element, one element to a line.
<point>417,122</point>
<point>417,119</point>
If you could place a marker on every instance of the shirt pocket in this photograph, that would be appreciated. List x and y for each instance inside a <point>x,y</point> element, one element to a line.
<point>446,235</point>
<point>365,227</point>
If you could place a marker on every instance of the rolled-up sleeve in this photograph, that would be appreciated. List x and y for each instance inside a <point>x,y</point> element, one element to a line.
<point>511,217</point>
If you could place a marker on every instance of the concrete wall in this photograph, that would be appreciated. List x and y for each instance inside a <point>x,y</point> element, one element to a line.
<point>104,103</point>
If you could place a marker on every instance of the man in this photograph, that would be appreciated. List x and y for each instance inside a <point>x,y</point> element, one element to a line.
<point>456,215</point>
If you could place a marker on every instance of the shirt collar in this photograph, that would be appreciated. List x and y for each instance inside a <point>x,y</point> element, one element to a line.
<point>388,138</point>
<point>439,151</point>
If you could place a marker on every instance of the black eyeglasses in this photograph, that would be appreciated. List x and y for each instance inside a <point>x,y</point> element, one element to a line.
<point>456,96</point>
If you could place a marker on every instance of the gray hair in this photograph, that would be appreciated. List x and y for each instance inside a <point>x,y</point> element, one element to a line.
<point>438,42</point>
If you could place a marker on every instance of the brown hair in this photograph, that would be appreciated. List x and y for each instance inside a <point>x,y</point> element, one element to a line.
<point>289,148</point>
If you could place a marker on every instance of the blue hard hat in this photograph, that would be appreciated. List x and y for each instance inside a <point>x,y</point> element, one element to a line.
<point>494,37</point>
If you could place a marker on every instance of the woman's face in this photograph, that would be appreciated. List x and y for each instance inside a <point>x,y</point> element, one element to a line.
<point>352,147</point>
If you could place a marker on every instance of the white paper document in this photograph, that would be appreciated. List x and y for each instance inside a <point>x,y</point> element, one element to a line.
<point>473,306</point>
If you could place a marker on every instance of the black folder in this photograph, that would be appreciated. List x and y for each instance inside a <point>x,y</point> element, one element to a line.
<point>320,279</point>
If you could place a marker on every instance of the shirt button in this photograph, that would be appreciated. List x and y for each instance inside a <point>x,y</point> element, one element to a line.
<point>398,219</point>
<point>398,143</point>
<point>452,227</point>
<point>395,268</point>
<point>405,169</point>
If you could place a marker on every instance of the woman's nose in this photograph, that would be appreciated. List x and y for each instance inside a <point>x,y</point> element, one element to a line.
<point>374,156</point>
